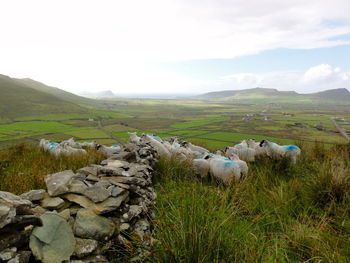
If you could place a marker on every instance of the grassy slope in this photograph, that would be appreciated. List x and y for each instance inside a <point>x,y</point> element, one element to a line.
<point>64,95</point>
<point>279,213</point>
<point>18,100</point>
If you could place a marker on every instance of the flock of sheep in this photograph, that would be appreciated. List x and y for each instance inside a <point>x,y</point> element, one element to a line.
<point>227,167</point>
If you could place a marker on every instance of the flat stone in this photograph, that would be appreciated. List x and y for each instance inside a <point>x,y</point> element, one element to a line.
<point>110,171</point>
<point>8,253</point>
<point>117,164</point>
<point>38,210</point>
<point>93,178</point>
<point>58,183</point>
<point>92,226</point>
<point>93,170</point>
<point>97,193</point>
<point>52,202</point>
<point>53,242</point>
<point>117,191</point>
<point>125,180</point>
<point>65,214</point>
<point>14,200</point>
<point>7,213</point>
<point>104,184</point>
<point>84,247</point>
<point>77,186</point>
<point>34,195</point>
<point>106,206</point>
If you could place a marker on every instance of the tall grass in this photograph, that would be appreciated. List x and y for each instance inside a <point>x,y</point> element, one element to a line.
<point>279,213</point>
<point>23,167</point>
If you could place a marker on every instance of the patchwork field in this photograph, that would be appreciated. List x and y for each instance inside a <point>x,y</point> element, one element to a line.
<point>217,125</point>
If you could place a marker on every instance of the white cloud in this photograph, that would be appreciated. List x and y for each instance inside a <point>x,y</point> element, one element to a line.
<point>113,44</point>
<point>317,78</point>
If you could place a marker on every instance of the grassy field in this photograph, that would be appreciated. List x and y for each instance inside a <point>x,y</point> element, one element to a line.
<point>212,123</point>
<point>279,213</point>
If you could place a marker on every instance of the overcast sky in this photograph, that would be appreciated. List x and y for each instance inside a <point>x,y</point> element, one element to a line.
<point>177,46</point>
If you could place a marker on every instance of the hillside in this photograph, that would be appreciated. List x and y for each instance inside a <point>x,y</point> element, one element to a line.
<point>18,100</point>
<point>64,95</point>
<point>264,95</point>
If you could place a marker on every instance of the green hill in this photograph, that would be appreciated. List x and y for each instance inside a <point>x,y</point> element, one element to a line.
<point>262,95</point>
<point>18,100</point>
<point>64,95</point>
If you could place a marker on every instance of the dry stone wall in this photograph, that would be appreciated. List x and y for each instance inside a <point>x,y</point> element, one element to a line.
<point>83,215</point>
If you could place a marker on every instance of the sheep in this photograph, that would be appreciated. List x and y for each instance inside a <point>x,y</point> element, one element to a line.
<point>242,164</point>
<point>244,153</point>
<point>201,167</point>
<point>68,150</point>
<point>223,169</point>
<point>194,148</point>
<point>70,142</point>
<point>277,152</point>
<point>133,138</point>
<point>44,144</point>
<point>259,151</point>
<point>108,151</point>
<point>158,146</point>
<point>91,145</point>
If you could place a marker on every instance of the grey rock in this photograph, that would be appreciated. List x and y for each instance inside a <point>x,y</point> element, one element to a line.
<point>77,186</point>
<point>23,256</point>
<point>93,178</point>
<point>97,193</point>
<point>84,247</point>
<point>110,171</point>
<point>54,241</point>
<point>38,210</point>
<point>104,184</point>
<point>15,200</point>
<point>124,227</point>
<point>134,210</point>
<point>93,170</point>
<point>34,195</point>
<point>8,253</point>
<point>7,213</point>
<point>52,202</point>
<point>58,183</point>
<point>117,191</point>
<point>65,214</point>
<point>92,226</point>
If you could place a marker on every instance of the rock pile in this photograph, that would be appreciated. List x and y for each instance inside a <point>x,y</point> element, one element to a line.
<point>83,215</point>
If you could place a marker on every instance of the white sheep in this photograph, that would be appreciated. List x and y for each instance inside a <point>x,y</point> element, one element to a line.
<point>194,148</point>
<point>242,164</point>
<point>201,167</point>
<point>133,138</point>
<point>223,169</point>
<point>68,150</point>
<point>259,151</point>
<point>277,152</point>
<point>108,150</point>
<point>244,153</point>
<point>158,146</point>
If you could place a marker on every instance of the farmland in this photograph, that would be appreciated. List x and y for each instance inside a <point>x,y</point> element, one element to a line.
<point>212,123</point>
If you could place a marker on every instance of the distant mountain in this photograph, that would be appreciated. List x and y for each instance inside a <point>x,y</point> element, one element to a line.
<point>263,95</point>
<point>18,99</point>
<point>64,95</point>
<point>101,94</point>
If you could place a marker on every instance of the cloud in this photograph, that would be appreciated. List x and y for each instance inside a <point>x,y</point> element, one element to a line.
<point>98,45</point>
<point>317,78</point>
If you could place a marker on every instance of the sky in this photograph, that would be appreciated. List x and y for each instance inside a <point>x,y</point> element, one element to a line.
<point>177,46</point>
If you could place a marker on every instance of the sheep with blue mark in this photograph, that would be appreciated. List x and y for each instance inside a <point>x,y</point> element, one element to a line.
<point>108,150</point>
<point>223,169</point>
<point>277,152</point>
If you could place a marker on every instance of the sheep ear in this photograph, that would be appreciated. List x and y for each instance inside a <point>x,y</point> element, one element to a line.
<point>206,157</point>
<point>226,148</point>
<point>98,146</point>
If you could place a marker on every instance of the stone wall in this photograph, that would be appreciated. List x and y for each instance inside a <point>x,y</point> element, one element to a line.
<point>83,216</point>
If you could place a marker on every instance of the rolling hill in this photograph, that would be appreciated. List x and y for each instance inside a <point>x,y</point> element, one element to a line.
<point>18,99</point>
<point>61,94</point>
<point>263,95</point>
